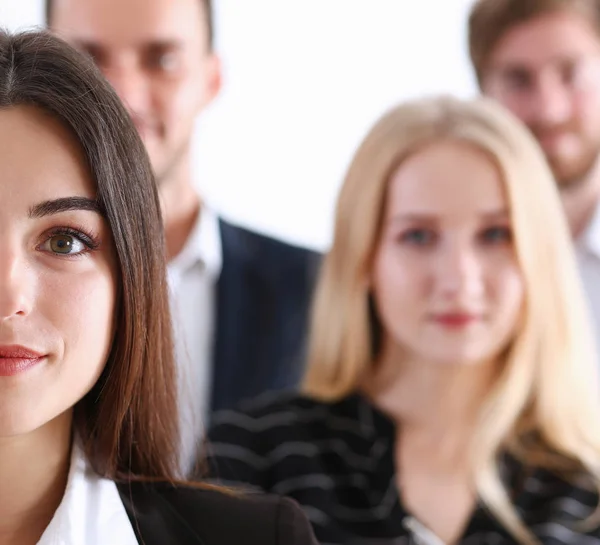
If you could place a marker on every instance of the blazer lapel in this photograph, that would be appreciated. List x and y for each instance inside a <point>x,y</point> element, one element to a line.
<point>154,520</point>
<point>237,333</point>
<point>263,294</point>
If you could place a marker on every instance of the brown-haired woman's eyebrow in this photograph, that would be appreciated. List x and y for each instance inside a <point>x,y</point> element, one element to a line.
<point>64,204</point>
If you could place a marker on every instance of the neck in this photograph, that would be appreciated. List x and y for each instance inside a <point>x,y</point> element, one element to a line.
<point>580,201</point>
<point>181,206</point>
<point>33,472</point>
<point>431,399</point>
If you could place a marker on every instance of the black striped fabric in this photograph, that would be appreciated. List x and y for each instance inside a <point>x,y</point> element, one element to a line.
<point>336,460</point>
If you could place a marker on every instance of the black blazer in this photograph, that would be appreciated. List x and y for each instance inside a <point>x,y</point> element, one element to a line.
<point>263,297</point>
<point>161,514</point>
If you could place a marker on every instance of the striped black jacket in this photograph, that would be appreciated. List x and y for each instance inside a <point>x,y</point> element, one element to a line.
<point>336,460</point>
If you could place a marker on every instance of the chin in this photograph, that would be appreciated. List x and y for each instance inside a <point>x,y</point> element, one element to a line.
<point>17,425</point>
<point>572,170</point>
<point>19,419</point>
<point>459,358</point>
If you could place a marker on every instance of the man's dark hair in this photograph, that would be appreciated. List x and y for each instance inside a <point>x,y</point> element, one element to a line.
<point>489,20</point>
<point>206,4</point>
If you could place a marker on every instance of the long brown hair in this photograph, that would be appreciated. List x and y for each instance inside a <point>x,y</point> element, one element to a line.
<point>128,422</point>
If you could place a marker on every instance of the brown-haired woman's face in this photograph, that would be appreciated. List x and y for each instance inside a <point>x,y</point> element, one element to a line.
<point>58,273</point>
<point>446,282</point>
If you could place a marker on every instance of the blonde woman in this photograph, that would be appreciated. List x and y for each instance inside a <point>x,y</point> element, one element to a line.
<point>451,388</point>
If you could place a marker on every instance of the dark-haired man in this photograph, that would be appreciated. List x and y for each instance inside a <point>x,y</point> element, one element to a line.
<point>239,298</point>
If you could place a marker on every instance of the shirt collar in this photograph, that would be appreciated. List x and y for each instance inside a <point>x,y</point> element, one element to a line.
<point>91,510</point>
<point>590,238</point>
<point>202,246</point>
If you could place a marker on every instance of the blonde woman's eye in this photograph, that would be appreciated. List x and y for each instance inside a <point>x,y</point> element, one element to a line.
<point>418,237</point>
<point>496,235</point>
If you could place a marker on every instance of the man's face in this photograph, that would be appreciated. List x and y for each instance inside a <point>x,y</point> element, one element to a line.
<point>155,53</point>
<point>547,72</point>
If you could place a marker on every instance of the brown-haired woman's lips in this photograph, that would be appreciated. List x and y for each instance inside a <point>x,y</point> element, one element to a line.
<point>16,359</point>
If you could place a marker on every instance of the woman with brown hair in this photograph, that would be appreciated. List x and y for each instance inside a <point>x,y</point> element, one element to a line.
<point>451,394</point>
<point>88,419</point>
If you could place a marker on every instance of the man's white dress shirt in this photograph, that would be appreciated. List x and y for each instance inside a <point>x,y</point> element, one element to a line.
<point>193,276</point>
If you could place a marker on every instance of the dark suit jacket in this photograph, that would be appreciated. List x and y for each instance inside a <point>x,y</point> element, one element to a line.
<point>263,298</point>
<point>161,514</point>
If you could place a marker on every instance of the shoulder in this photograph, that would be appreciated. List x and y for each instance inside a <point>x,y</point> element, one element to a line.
<point>272,411</point>
<point>210,516</point>
<point>259,424</point>
<point>274,422</point>
<point>553,503</point>
<point>278,438</point>
<point>235,235</point>
<point>549,495</point>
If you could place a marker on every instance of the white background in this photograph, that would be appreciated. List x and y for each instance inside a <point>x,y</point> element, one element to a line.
<point>304,80</point>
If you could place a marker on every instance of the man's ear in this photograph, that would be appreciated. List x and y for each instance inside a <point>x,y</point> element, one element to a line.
<point>213,78</point>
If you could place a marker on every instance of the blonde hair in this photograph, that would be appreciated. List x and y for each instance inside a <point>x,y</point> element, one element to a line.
<point>489,20</point>
<point>547,388</point>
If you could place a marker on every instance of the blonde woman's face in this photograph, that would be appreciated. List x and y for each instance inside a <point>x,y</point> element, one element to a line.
<point>446,283</point>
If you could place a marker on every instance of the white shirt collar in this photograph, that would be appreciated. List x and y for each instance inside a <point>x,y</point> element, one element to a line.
<point>203,245</point>
<point>91,511</point>
<point>590,238</point>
